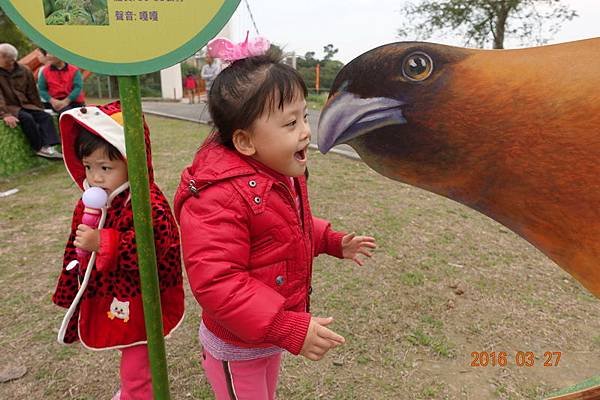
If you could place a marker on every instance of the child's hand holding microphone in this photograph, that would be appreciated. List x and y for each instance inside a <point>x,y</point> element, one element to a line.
<point>87,237</point>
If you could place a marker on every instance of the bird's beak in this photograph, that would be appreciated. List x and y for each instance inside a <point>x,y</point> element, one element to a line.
<point>347,116</point>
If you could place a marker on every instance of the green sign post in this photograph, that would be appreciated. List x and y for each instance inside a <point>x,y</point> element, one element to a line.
<point>126,39</point>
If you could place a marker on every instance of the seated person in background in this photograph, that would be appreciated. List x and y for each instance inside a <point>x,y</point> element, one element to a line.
<point>20,104</point>
<point>60,84</point>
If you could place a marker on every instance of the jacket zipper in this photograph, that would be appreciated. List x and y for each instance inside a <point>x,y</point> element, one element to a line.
<point>308,257</point>
<point>292,202</point>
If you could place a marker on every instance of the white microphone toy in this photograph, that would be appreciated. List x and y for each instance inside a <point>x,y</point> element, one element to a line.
<point>93,199</point>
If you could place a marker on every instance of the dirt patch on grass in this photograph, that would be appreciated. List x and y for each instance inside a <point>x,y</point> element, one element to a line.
<point>445,282</point>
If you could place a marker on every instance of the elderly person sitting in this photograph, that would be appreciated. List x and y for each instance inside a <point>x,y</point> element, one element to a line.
<point>20,104</point>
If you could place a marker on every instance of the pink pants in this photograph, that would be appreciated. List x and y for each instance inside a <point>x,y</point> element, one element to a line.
<point>136,380</point>
<point>242,380</point>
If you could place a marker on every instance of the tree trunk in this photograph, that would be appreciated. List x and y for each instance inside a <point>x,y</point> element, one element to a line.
<point>500,28</point>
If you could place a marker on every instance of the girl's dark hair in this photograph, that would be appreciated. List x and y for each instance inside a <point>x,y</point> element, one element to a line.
<point>247,88</point>
<point>87,142</point>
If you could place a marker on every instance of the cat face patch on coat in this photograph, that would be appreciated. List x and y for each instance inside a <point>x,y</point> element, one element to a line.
<point>119,309</point>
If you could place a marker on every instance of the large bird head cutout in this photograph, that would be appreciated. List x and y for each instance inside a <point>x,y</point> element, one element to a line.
<point>514,134</point>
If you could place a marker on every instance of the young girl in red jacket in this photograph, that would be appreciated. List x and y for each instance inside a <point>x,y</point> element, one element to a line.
<point>248,235</point>
<point>101,286</point>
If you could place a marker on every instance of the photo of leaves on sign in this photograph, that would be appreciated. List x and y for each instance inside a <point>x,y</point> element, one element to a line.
<point>76,12</point>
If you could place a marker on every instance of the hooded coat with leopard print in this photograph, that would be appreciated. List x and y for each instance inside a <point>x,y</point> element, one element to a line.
<point>109,313</point>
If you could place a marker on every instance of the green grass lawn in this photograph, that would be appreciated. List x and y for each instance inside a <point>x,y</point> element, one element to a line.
<point>445,282</point>
<point>316,101</point>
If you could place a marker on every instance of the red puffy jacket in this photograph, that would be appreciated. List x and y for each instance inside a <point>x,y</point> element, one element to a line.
<point>247,248</point>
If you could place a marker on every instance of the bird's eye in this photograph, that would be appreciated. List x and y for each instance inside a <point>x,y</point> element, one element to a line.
<point>417,66</point>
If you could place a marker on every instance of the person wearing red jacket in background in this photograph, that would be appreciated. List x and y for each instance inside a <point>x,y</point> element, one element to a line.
<point>190,85</point>
<point>248,235</point>
<point>102,291</point>
<point>60,84</point>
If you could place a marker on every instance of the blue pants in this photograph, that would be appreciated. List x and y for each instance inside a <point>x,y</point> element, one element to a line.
<point>38,127</point>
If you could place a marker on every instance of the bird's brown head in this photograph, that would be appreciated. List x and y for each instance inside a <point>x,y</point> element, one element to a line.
<point>388,104</point>
<point>510,133</point>
<point>443,118</point>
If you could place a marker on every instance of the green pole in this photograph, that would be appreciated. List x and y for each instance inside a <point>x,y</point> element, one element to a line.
<point>137,167</point>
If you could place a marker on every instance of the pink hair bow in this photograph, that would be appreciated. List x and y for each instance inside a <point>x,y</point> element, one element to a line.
<point>226,50</point>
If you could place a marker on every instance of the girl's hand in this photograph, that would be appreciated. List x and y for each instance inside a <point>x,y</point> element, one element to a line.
<point>319,339</point>
<point>87,238</point>
<point>353,245</point>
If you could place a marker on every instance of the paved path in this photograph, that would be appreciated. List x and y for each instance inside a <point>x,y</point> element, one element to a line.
<point>199,113</point>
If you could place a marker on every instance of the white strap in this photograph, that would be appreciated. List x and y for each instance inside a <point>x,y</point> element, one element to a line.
<point>65,322</point>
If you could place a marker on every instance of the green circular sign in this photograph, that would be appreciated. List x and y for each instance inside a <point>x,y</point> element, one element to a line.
<point>121,37</point>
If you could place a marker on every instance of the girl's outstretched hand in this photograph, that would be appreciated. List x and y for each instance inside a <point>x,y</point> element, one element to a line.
<point>353,245</point>
<point>319,339</point>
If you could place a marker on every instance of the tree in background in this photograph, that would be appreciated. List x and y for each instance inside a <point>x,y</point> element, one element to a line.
<point>328,67</point>
<point>482,20</point>
<point>329,51</point>
<point>308,60</point>
<point>9,33</point>
<point>187,68</point>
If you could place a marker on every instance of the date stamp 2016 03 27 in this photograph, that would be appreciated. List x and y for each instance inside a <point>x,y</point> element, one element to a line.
<point>519,358</point>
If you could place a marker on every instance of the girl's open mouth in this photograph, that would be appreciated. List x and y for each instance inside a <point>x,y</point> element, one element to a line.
<point>300,155</point>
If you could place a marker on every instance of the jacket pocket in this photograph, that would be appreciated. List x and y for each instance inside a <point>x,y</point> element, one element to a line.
<point>262,245</point>
<point>273,275</point>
